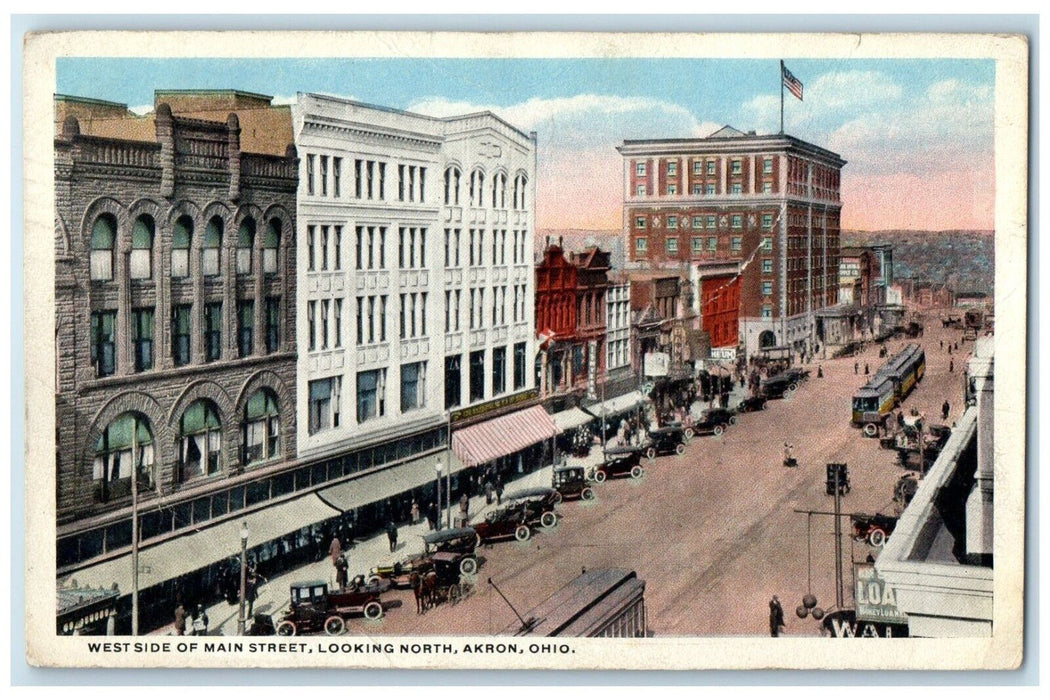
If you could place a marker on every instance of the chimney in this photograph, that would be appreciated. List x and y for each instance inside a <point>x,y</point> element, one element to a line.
<point>233,139</point>
<point>165,124</point>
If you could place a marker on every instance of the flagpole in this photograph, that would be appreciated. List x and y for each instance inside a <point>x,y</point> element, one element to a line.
<point>782,97</point>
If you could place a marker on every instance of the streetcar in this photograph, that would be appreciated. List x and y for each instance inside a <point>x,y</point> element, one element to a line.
<point>894,381</point>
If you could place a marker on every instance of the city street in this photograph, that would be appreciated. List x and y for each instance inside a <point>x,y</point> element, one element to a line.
<point>714,532</point>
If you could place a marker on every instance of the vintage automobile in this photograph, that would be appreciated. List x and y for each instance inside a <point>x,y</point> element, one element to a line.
<point>524,510</point>
<point>570,481</point>
<point>458,542</point>
<point>873,528</point>
<point>622,460</point>
<point>714,421</point>
<point>445,584</point>
<point>752,403</point>
<point>314,608</point>
<point>665,440</point>
<point>399,574</point>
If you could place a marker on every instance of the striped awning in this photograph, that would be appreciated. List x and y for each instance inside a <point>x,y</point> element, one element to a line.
<point>571,418</point>
<point>503,436</point>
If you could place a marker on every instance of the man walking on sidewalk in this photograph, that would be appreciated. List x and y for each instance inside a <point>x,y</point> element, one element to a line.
<point>464,508</point>
<point>391,534</point>
<point>945,410</point>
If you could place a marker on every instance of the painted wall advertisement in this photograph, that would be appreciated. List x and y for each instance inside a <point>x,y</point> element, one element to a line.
<point>657,364</point>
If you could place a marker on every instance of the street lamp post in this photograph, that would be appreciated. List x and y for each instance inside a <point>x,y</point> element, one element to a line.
<point>437,469</point>
<point>244,572</point>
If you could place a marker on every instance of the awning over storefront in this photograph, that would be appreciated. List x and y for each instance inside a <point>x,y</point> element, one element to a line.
<point>198,549</point>
<point>570,419</point>
<point>385,483</point>
<point>618,404</point>
<point>503,436</point>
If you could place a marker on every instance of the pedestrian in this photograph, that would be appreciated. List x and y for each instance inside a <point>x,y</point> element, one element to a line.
<point>866,371</point>
<point>945,409</point>
<point>391,534</point>
<point>490,491</point>
<point>432,516</point>
<point>776,617</point>
<point>335,549</point>
<point>252,581</point>
<point>956,345</point>
<point>341,568</point>
<point>951,366</point>
<point>820,372</point>
<point>499,490</point>
<point>464,508</point>
<point>949,349</point>
<point>415,512</point>
<point>856,368</point>
<point>200,622</point>
<point>942,345</point>
<point>180,620</point>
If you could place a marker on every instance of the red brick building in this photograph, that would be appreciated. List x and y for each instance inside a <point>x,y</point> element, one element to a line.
<point>764,209</point>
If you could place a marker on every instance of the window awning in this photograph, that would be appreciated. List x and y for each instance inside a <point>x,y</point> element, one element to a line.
<point>386,482</point>
<point>572,418</point>
<point>198,549</point>
<point>618,404</point>
<point>503,436</point>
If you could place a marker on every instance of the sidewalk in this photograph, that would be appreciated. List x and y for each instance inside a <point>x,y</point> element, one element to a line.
<point>273,595</point>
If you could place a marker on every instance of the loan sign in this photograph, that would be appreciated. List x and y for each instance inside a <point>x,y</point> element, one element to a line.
<point>876,599</point>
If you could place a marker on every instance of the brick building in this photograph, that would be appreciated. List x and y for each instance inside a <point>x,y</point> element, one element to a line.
<point>767,204</point>
<point>175,333</point>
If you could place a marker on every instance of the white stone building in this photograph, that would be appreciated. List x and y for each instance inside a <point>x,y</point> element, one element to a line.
<point>416,289</point>
<point>618,325</point>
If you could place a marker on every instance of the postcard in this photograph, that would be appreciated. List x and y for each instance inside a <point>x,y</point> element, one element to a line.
<point>525,350</point>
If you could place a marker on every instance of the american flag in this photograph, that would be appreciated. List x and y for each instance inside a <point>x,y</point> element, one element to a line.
<point>791,82</point>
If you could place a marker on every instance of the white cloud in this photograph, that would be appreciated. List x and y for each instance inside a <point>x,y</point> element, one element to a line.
<point>141,109</point>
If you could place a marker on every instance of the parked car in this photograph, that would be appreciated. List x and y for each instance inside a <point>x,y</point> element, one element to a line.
<point>314,608</point>
<point>664,441</point>
<point>713,421</point>
<point>459,542</point>
<point>524,510</point>
<point>399,574</point>
<point>621,460</point>
<point>873,528</point>
<point>572,482</point>
<point>752,403</point>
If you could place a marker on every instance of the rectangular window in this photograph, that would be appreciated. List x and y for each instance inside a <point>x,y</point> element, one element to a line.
<point>639,222</point>
<point>323,244</point>
<point>735,166</point>
<point>337,332</point>
<point>499,371</point>
<point>360,248</point>
<point>310,232</point>
<point>698,188</point>
<point>337,175</point>
<point>672,222</point>
<point>142,329</point>
<point>325,305</point>
<point>401,183</point>
<point>767,187</point>
<point>767,243</point>
<point>104,342</point>
<point>639,169</point>
<point>212,331</point>
<point>767,311</point>
<point>324,176</point>
<point>641,245</point>
<point>698,222</point>
<point>519,366</point>
<point>324,404</point>
<point>273,323</point>
<point>698,244</point>
<point>767,266</point>
<point>477,375</point>
<point>672,167</point>
<point>736,188</point>
<point>413,386</point>
<point>360,320</point>
<point>672,246</point>
<point>245,327</point>
<point>736,243</point>
<point>767,289</point>
<point>640,191</point>
<point>712,244</point>
<point>181,325</point>
<point>672,189</point>
<point>310,174</point>
<point>453,381</point>
<point>337,253</point>
<point>738,221</point>
<point>370,395</point>
<point>767,165</point>
<point>710,168</point>
<point>710,189</point>
<point>698,167</point>
<point>311,325</point>
<point>710,222</point>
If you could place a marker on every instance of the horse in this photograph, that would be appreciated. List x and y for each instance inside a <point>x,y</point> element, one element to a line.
<point>428,590</point>
<point>416,581</point>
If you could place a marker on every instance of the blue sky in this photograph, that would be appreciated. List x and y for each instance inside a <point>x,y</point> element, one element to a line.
<point>914,132</point>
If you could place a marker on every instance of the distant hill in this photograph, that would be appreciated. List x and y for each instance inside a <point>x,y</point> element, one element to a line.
<point>964,260</point>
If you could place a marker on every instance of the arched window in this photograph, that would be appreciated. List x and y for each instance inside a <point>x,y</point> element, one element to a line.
<point>271,244</point>
<point>499,191</point>
<point>262,428</point>
<point>477,188</point>
<point>452,176</point>
<point>103,238</point>
<point>180,247</point>
<point>767,339</point>
<point>520,183</point>
<point>211,256</point>
<point>125,444</point>
<point>200,434</point>
<point>245,243</point>
<point>142,248</point>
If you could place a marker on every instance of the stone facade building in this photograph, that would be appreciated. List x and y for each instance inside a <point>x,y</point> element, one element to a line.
<point>765,208</point>
<point>175,329</point>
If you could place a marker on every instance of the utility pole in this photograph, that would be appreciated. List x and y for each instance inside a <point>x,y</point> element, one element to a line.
<point>838,542</point>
